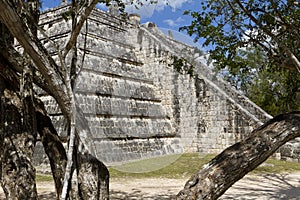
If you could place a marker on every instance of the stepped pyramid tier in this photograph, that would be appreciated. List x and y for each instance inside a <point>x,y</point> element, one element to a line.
<point>136,103</point>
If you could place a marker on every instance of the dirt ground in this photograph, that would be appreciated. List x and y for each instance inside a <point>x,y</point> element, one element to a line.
<point>260,187</point>
<point>251,187</point>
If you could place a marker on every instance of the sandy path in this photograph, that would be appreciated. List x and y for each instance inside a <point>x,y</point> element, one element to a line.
<point>260,187</point>
<point>251,187</point>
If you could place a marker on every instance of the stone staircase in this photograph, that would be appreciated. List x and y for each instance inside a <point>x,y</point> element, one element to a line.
<point>179,49</point>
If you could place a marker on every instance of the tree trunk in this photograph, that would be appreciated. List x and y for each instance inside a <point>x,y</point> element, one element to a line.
<point>56,79</point>
<point>92,174</point>
<point>239,159</point>
<point>52,145</point>
<point>93,178</point>
<point>18,137</point>
<point>45,64</point>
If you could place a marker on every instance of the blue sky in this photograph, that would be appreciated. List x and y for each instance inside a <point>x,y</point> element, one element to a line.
<point>166,14</point>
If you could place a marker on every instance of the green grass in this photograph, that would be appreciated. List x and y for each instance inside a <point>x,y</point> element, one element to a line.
<point>189,163</point>
<point>43,178</point>
<point>277,166</point>
<point>181,166</point>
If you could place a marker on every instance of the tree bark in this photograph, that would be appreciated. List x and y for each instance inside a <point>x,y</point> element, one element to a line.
<point>93,178</point>
<point>18,137</point>
<point>239,159</point>
<point>21,17</point>
<point>52,145</point>
<point>50,71</point>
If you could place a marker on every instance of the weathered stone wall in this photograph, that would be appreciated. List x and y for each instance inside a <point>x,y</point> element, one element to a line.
<point>208,113</point>
<point>137,105</point>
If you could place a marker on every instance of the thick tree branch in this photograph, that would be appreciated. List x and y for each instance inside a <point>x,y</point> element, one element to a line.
<point>9,74</point>
<point>38,54</point>
<point>16,61</point>
<point>239,159</point>
<point>51,142</point>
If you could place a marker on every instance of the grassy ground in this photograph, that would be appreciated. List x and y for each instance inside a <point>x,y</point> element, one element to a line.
<point>277,166</point>
<point>182,167</point>
<point>187,164</point>
<point>43,178</point>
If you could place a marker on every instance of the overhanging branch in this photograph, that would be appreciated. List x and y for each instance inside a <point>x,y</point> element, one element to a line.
<point>43,61</point>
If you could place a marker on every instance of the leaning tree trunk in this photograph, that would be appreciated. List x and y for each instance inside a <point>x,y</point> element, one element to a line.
<point>18,137</point>
<point>239,159</point>
<point>52,145</point>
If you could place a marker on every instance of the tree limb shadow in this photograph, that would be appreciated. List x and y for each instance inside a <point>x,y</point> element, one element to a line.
<point>265,186</point>
<point>138,194</point>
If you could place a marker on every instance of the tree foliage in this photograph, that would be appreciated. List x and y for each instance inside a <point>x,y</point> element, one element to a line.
<point>276,90</point>
<point>273,88</point>
<point>257,43</point>
<point>229,25</point>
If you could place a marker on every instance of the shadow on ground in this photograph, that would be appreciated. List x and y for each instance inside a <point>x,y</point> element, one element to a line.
<point>267,186</point>
<point>119,195</point>
<point>47,195</point>
<point>138,194</point>
<point>251,187</point>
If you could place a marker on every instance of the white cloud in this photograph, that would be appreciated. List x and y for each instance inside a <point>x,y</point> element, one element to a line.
<point>174,23</point>
<point>175,4</point>
<point>147,9</point>
<point>179,20</point>
<point>170,22</point>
